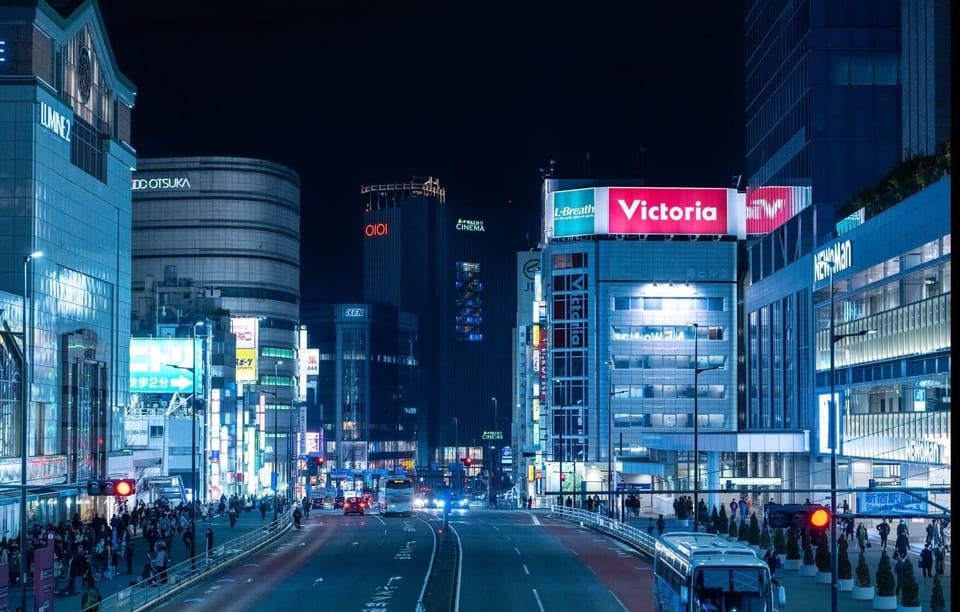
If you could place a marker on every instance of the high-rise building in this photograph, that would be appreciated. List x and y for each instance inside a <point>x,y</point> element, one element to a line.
<point>65,163</point>
<point>214,235</point>
<point>453,267</point>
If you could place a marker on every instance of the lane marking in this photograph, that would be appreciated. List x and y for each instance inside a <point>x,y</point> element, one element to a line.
<point>537,597</point>
<point>525,570</point>
<point>617,599</point>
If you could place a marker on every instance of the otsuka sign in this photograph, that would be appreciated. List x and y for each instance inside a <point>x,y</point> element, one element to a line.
<point>655,210</point>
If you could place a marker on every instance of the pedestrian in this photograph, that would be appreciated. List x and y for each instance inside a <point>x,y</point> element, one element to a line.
<point>884,530</point>
<point>898,570</point>
<point>91,596</point>
<point>733,508</point>
<point>661,525</point>
<point>209,540</point>
<point>773,562</point>
<point>128,555</point>
<point>529,502</point>
<point>861,536</point>
<point>902,545</point>
<point>926,561</point>
<point>938,560</point>
<point>650,526</point>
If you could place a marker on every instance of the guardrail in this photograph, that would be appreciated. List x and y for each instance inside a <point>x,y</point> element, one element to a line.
<point>147,594</point>
<point>641,540</point>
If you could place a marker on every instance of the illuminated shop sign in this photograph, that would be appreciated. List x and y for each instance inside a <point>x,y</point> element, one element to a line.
<point>173,182</point>
<point>573,212</point>
<point>836,258</point>
<point>470,225</point>
<point>246,329</point>
<point>655,210</point>
<point>165,365</point>
<point>375,229</point>
<point>51,119</point>
<point>354,312</point>
<point>770,207</point>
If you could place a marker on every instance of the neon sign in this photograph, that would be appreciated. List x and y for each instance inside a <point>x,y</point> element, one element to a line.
<point>375,229</point>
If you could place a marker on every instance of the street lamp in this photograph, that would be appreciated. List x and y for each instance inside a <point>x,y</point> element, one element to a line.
<point>276,452</point>
<point>610,438</point>
<point>494,473</point>
<point>833,437</point>
<point>697,370</point>
<point>193,441</point>
<point>25,400</point>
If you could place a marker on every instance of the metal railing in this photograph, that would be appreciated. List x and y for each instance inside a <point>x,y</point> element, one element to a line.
<point>642,541</point>
<point>147,594</point>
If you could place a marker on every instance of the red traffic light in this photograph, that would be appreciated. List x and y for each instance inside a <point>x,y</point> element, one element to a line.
<point>467,461</point>
<point>123,487</point>
<point>321,459</point>
<point>562,476</point>
<point>819,518</point>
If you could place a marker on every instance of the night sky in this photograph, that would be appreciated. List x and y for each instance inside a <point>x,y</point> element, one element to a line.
<point>352,92</point>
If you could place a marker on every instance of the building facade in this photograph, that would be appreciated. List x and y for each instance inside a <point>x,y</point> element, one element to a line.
<point>215,235</point>
<point>65,211</point>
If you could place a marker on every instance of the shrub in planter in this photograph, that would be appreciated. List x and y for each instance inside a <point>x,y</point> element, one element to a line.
<point>863,572</point>
<point>724,522</point>
<point>715,520</point>
<point>937,602</point>
<point>807,548</point>
<point>753,531</point>
<point>765,538</point>
<point>744,532</point>
<point>909,589</point>
<point>844,569</point>
<point>779,541</point>
<point>823,558</point>
<point>733,529</point>
<point>793,548</point>
<point>886,583</point>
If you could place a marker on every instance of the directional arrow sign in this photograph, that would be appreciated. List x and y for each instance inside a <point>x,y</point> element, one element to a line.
<point>152,361</point>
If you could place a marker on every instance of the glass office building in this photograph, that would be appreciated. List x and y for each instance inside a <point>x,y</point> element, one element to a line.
<point>65,169</point>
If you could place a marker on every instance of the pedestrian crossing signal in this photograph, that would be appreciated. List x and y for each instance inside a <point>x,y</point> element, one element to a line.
<point>110,487</point>
<point>799,516</point>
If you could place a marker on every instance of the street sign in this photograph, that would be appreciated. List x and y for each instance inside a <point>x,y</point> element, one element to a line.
<point>493,435</point>
<point>152,361</point>
<point>891,502</point>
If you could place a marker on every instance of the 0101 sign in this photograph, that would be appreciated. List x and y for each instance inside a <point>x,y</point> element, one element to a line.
<point>375,229</point>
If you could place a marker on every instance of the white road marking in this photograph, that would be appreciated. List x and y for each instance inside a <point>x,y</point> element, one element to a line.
<point>537,597</point>
<point>617,599</point>
<point>525,570</point>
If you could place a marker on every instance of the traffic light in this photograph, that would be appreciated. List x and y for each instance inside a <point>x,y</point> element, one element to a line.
<point>799,516</point>
<point>320,460</point>
<point>109,487</point>
<point>467,461</point>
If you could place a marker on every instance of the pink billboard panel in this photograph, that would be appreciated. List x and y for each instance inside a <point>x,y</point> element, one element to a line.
<point>770,207</point>
<point>662,210</point>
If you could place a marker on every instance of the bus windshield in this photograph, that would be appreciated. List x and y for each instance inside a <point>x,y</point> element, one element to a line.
<point>732,588</point>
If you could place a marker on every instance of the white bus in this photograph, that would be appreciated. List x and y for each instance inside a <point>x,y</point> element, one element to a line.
<point>396,495</point>
<point>697,572</point>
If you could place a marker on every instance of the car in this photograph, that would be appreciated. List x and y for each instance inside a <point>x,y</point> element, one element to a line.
<point>338,502</point>
<point>352,505</point>
<point>317,503</point>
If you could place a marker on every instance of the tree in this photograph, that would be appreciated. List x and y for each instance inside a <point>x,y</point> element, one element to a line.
<point>937,602</point>
<point>844,569</point>
<point>823,558</point>
<point>715,520</point>
<point>723,525</point>
<point>733,530</point>
<point>863,572</point>
<point>744,533</point>
<point>909,589</point>
<point>886,583</point>
<point>793,548</point>
<point>807,548</point>
<point>779,541</point>
<point>753,531</point>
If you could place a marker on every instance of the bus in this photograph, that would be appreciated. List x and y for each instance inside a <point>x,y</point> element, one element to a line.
<point>396,495</point>
<point>696,572</point>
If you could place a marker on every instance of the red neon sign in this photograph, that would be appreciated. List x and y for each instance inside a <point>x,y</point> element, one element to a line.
<point>375,229</point>
<point>658,210</point>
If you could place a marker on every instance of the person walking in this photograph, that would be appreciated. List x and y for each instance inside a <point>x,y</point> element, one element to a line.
<point>926,561</point>
<point>884,530</point>
<point>209,541</point>
<point>91,596</point>
<point>938,560</point>
<point>861,537</point>
<point>902,545</point>
<point>128,555</point>
<point>661,525</point>
<point>898,571</point>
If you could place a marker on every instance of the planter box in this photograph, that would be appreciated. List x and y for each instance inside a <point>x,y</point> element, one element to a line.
<point>863,593</point>
<point>823,578</point>
<point>792,564</point>
<point>885,602</point>
<point>845,584</point>
<point>909,608</point>
<point>808,570</point>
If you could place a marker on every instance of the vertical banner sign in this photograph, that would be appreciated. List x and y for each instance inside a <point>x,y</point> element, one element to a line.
<point>246,330</point>
<point>43,577</point>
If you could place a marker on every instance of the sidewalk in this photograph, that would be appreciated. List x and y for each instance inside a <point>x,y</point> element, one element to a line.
<point>222,533</point>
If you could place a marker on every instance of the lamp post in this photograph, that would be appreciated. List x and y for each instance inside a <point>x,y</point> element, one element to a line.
<point>276,450</point>
<point>610,438</point>
<point>25,402</point>
<point>193,442</point>
<point>494,473</point>
<point>833,438</point>
<point>697,370</point>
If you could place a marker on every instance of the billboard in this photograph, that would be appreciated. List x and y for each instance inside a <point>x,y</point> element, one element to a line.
<point>136,433</point>
<point>247,332</point>
<point>165,365</point>
<point>643,211</point>
<point>768,208</point>
<point>313,362</point>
